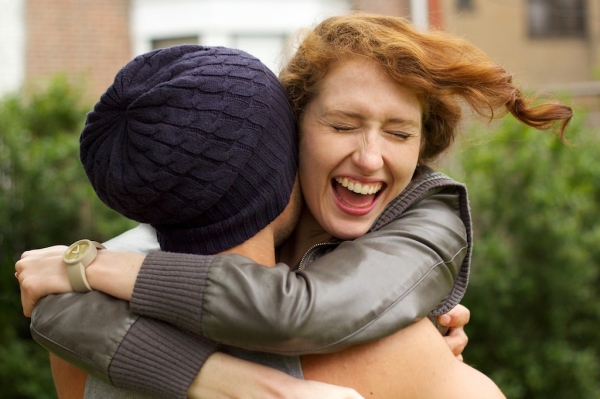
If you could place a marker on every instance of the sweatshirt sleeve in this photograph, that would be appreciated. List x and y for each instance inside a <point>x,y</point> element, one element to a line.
<point>158,359</point>
<point>363,290</point>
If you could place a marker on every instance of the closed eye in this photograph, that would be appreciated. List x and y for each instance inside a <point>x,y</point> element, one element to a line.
<point>342,128</point>
<point>399,135</point>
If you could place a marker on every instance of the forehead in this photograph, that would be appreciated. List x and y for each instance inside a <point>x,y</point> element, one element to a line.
<point>360,85</point>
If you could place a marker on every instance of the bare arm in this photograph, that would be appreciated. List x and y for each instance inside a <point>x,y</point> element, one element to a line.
<point>68,379</point>
<point>253,381</point>
<point>412,363</point>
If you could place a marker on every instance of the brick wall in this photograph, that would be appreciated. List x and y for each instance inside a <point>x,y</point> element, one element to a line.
<point>87,39</point>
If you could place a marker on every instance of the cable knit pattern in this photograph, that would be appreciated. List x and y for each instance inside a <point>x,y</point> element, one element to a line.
<point>199,142</point>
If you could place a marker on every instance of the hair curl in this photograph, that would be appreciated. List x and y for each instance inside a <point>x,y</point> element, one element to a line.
<point>438,67</point>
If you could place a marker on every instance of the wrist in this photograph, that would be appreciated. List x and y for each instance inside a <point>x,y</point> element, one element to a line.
<point>252,381</point>
<point>114,273</point>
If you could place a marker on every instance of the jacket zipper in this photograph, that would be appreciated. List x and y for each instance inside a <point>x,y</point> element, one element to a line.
<point>312,249</point>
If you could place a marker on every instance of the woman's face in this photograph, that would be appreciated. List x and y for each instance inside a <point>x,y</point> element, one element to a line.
<point>359,146</point>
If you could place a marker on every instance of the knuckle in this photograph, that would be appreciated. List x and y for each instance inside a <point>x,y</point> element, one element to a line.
<point>28,289</point>
<point>19,266</point>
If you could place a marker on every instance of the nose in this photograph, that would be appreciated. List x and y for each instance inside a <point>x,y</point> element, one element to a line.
<point>368,154</point>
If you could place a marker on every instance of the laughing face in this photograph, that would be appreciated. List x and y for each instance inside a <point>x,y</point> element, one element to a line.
<point>359,146</point>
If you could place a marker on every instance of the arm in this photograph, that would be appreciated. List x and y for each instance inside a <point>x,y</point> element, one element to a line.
<point>411,266</point>
<point>68,379</point>
<point>253,381</point>
<point>412,363</point>
<point>61,249</point>
<point>115,352</point>
<point>160,360</point>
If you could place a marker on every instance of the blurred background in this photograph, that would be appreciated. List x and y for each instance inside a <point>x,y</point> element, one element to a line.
<point>533,294</point>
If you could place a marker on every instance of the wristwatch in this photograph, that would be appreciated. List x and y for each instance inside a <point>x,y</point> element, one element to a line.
<point>77,257</point>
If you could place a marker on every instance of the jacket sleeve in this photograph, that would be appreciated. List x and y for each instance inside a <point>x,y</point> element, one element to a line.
<point>100,335</point>
<point>363,290</point>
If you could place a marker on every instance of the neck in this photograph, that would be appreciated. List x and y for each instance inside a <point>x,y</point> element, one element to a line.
<point>307,233</point>
<point>260,248</point>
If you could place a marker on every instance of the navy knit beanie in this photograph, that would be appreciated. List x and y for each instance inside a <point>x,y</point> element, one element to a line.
<point>199,142</point>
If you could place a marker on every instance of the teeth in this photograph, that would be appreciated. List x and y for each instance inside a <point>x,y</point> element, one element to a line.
<point>357,187</point>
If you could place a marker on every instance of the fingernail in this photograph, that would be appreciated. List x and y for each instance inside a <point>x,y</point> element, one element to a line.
<point>445,319</point>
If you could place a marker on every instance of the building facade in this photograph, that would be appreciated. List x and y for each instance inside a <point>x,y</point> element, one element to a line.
<point>551,44</point>
<point>548,44</point>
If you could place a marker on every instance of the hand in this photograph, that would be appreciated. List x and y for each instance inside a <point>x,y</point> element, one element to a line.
<point>41,272</point>
<point>254,381</point>
<point>321,390</point>
<point>456,338</point>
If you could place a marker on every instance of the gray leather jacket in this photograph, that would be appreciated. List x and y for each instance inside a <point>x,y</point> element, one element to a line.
<point>413,263</point>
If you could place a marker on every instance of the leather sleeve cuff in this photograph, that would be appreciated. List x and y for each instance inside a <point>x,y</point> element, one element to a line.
<point>83,329</point>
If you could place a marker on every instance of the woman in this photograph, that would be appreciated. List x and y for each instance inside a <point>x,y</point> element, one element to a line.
<point>415,112</point>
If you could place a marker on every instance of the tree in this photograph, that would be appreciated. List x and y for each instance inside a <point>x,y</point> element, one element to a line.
<point>534,292</point>
<point>45,199</point>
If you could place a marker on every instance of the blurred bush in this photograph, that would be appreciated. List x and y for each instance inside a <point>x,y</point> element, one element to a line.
<point>534,290</point>
<point>45,199</point>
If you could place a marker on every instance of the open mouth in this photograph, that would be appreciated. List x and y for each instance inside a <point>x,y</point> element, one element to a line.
<point>354,194</point>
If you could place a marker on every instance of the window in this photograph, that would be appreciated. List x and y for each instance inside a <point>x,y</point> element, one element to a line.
<point>173,41</point>
<point>557,18</point>
<point>464,5</point>
<point>266,47</point>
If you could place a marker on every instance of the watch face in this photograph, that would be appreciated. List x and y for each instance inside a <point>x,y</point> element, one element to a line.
<point>77,250</point>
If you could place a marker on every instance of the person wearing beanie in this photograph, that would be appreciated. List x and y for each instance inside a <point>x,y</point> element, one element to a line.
<point>198,142</point>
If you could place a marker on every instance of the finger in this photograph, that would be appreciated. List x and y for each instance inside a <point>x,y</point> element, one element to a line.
<point>25,304</point>
<point>459,316</point>
<point>457,340</point>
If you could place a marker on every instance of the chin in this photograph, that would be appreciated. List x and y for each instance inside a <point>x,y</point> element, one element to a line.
<point>350,232</point>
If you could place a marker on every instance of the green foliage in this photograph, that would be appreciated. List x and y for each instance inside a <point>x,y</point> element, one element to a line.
<point>534,291</point>
<point>45,199</point>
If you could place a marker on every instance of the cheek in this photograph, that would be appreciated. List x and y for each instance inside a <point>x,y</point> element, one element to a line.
<point>403,167</point>
<point>315,164</point>
<point>307,170</point>
<point>313,156</point>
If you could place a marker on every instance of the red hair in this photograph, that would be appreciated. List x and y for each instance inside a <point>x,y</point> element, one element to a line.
<point>440,68</point>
